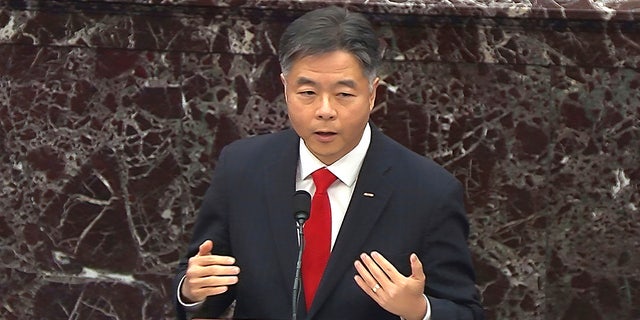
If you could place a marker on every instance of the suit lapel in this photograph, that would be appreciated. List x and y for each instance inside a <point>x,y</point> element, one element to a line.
<point>369,198</point>
<point>279,187</point>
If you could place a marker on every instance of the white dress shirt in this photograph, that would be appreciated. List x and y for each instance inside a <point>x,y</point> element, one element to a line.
<point>346,169</point>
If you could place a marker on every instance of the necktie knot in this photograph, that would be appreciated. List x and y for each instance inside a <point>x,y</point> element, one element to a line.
<point>323,178</point>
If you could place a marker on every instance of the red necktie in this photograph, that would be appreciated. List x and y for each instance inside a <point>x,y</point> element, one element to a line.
<point>317,235</point>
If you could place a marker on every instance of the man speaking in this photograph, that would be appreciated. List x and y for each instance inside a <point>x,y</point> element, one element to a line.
<point>387,231</point>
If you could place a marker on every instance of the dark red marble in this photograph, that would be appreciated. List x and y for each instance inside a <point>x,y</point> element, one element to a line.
<point>113,113</point>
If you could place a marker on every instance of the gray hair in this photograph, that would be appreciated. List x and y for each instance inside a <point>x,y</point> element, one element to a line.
<point>330,29</point>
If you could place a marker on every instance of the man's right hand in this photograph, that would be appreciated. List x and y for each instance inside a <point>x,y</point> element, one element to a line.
<point>208,274</point>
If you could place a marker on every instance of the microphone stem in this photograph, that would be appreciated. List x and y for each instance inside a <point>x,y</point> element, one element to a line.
<point>296,279</point>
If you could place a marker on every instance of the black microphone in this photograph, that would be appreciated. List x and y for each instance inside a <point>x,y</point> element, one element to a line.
<point>301,208</point>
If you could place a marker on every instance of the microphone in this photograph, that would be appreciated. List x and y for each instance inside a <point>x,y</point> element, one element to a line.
<point>301,208</point>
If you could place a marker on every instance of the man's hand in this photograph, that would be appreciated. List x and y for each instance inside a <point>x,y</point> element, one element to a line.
<point>400,295</point>
<point>208,274</point>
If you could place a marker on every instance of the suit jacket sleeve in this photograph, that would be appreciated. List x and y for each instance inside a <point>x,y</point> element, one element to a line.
<point>211,224</point>
<point>450,275</point>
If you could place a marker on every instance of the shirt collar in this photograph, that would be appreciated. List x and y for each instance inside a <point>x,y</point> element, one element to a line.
<point>346,168</point>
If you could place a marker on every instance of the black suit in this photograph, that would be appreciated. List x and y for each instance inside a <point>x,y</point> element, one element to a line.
<point>417,207</point>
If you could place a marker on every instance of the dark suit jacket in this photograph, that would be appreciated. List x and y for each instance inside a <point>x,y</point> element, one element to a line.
<point>417,207</point>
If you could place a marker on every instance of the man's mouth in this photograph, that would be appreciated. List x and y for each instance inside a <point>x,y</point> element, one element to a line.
<point>325,133</point>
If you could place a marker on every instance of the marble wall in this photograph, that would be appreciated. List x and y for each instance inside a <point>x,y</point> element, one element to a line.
<point>112,115</point>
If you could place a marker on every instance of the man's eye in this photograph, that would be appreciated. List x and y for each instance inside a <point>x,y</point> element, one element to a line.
<point>345,95</point>
<point>306,93</point>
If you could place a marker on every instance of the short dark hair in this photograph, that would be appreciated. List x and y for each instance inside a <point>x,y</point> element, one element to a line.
<point>329,29</point>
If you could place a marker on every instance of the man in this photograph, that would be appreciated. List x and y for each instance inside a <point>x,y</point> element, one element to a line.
<point>396,227</point>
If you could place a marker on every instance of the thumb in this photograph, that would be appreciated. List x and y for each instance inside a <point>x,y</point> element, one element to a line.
<point>205,248</point>
<point>416,268</point>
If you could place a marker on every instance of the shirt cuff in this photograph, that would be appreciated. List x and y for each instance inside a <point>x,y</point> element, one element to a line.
<point>427,316</point>
<point>190,307</point>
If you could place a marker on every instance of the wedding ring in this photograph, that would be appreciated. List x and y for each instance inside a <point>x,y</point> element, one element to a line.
<point>375,288</point>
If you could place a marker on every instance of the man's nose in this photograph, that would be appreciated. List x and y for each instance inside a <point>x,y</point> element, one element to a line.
<point>326,109</point>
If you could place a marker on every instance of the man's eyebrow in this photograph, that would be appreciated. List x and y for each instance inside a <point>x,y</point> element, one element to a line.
<point>304,81</point>
<point>348,83</point>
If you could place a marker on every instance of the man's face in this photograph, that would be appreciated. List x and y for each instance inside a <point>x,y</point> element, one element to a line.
<point>329,100</point>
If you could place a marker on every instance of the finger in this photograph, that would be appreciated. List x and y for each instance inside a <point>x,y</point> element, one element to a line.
<point>365,275</point>
<point>212,260</point>
<point>212,281</point>
<point>224,281</point>
<point>200,294</point>
<point>197,288</point>
<point>386,266</point>
<point>210,291</point>
<point>201,267</point>
<point>221,270</point>
<point>205,248</point>
<point>368,283</point>
<point>378,274</point>
<point>417,272</point>
<point>364,286</point>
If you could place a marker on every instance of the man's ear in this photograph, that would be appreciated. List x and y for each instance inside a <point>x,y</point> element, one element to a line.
<point>284,85</point>
<point>374,90</point>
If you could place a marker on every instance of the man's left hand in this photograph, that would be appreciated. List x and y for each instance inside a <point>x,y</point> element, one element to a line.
<point>400,295</point>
